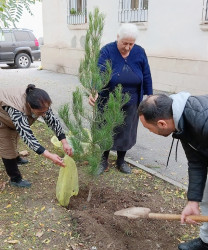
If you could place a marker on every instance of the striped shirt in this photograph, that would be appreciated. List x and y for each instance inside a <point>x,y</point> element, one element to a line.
<point>23,128</point>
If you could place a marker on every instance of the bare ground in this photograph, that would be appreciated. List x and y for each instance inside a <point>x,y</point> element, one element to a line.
<point>33,219</point>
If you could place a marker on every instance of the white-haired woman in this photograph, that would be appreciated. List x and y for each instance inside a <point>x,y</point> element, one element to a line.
<point>131,70</point>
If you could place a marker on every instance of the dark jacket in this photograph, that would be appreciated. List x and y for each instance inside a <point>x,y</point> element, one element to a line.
<point>137,60</point>
<point>192,130</point>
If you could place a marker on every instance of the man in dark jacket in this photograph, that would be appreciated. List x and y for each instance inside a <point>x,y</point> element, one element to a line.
<point>186,118</point>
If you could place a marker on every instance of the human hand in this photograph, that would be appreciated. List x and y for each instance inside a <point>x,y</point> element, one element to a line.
<point>55,158</point>
<point>66,147</point>
<point>192,208</point>
<point>92,99</point>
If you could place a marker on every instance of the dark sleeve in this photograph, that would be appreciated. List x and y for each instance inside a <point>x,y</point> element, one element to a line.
<point>197,173</point>
<point>103,57</point>
<point>54,124</point>
<point>147,78</point>
<point>23,128</point>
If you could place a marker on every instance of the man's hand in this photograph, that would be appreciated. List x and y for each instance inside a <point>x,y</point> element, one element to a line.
<point>192,208</point>
<point>92,100</point>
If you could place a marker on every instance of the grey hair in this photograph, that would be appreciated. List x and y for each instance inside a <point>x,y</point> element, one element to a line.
<point>127,30</point>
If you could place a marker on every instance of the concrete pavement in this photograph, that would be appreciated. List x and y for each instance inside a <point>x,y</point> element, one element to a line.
<point>150,152</point>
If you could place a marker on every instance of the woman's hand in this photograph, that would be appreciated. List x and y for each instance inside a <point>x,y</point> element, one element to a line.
<point>54,157</point>
<point>192,208</point>
<point>92,99</point>
<point>66,147</point>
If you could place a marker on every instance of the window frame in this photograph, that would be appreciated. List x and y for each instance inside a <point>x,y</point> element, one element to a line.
<point>128,12</point>
<point>5,34</point>
<point>205,12</point>
<point>21,35</point>
<point>77,12</point>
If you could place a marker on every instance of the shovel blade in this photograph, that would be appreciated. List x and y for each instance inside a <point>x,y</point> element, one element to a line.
<point>134,212</point>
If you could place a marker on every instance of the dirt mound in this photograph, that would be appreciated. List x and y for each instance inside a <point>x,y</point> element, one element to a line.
<point>99,226</point>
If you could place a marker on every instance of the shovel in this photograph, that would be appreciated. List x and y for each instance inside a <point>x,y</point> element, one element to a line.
<point>143,212</point>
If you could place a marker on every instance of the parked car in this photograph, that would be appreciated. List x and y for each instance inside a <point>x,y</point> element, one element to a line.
<point>18,47</point>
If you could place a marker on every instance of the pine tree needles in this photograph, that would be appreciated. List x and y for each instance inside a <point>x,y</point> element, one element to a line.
<point>91,77</point>
<point>101,124</point>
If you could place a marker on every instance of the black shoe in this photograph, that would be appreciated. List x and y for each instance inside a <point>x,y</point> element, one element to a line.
<point>21,183</point>
<point>103,167</point>
<point>196,244</point>
<point>124,168</point>
<point>21,161</point>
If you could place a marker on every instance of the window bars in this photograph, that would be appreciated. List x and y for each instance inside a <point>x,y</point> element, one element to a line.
<point>206,11</point>
<point>77,12</point>
<point>133,11</point>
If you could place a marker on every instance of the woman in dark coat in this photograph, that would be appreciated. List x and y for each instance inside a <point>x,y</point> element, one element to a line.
<point>130,68</point>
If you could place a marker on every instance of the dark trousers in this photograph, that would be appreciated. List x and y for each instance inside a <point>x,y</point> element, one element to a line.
<point>120,156</point>
<point>12,169</point>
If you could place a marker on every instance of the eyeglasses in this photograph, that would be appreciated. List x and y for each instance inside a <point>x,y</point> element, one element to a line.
<point>38,112</point>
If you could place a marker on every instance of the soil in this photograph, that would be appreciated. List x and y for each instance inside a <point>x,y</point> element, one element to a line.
<point>33,219</point>
<point>99,226</point>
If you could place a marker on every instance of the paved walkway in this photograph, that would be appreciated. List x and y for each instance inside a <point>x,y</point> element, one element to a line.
<point>151,150</point>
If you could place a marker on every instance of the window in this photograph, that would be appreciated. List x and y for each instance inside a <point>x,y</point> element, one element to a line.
<point>2,37</point>
<point>21,36</point>
<point>206,11</point>
<point>77,12</point>
<point>133,11</point>
<point>204,22</point>
<point>5,37</point>
<point>134,4</point>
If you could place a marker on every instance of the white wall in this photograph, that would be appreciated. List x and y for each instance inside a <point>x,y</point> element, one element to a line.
<point>54,23</point>
<point>110,9</point>
<point>176,45</point>
<point>174,29</point>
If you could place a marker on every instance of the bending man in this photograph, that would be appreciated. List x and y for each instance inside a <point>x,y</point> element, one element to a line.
<point>186,118</point>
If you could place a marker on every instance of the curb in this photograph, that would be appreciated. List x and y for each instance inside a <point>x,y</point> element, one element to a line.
<point>153,172</point>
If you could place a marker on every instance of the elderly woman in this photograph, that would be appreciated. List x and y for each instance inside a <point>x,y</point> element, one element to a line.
<point>130,69</point>
<point>20,108</point>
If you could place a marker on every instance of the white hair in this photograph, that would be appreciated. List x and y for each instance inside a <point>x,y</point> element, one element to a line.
<point>127,30</point>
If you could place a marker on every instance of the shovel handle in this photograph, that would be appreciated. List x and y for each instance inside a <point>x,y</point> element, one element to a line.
<point>198,218</point>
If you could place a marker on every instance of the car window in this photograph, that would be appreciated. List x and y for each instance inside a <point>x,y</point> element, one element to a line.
<point>22,36</point>
<point>2,37</point>
<point>31,36</point>
<point>6,37</point>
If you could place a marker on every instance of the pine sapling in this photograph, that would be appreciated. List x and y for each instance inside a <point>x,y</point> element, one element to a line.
<point>89,144</point>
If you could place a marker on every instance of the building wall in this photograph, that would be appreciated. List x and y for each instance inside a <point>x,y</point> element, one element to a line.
<point>174,39</point>
<point>177,46</point>
<point>174,29</point>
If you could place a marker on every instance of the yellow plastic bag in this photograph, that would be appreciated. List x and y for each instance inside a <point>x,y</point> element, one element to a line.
<point>58,145</point>
<point>59,148</point>
<point>67,184</point>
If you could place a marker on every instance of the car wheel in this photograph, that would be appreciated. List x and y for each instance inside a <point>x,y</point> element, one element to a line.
<point>23,60</point>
